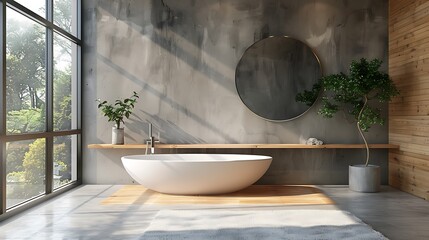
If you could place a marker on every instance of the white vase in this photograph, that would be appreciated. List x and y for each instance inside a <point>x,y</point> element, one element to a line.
<point>117,136</point>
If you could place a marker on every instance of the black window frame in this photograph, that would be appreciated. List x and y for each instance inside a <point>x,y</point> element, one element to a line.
<point>49,132</point>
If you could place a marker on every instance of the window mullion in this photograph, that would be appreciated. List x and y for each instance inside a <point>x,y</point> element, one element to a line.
<point>3,109</point>
<point>49,97</point>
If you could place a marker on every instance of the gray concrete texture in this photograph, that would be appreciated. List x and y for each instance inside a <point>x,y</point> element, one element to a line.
<point>180,57</point>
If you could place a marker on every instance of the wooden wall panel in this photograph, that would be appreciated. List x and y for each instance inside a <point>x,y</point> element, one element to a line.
<point>409,113</point>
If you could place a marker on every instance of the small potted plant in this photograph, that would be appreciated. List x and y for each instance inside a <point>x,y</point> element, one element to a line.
<point>116,113</point>
<point>356,93</point>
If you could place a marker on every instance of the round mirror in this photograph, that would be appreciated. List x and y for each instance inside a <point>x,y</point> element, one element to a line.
<point>272,72</point>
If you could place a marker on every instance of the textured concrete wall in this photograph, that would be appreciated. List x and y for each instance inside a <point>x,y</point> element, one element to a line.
<point>180,56</point>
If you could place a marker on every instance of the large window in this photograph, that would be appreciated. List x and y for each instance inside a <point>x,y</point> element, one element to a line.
<point>40,100</point>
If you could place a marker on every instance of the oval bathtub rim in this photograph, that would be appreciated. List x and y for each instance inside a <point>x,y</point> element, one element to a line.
<point>234,157</point>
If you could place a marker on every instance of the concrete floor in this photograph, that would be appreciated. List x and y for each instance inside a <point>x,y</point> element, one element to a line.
<point>78,214</point>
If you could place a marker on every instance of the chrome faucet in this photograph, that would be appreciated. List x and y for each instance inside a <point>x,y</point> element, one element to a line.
<point>151,141</point>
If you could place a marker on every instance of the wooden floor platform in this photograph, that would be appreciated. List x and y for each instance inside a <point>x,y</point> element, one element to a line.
<point>255,194</point>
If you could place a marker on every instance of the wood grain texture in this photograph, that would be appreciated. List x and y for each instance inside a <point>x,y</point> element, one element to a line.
<point>238,146</point>
<point>255,194</point>
<point>409,113</point>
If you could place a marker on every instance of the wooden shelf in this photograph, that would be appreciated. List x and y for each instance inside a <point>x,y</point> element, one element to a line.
<point>237,146</point>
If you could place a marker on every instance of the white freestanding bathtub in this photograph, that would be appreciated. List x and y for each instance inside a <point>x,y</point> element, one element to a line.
<point>196,174</point>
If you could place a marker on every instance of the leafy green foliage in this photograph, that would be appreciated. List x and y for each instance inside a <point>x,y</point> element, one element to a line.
<point>34,162</point>
<point>120,109</point>
<point>63,14</point>
<point>25,120</point>
<point>329,109</point>
<point>309,97</point>
<point>348,92</point>
<point>30,180</point>
<point>25,65</point>
<point>62,100</point>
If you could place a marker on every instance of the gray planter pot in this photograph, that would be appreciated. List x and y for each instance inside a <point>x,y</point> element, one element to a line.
<point>117,136</point>
<point>364,178</point>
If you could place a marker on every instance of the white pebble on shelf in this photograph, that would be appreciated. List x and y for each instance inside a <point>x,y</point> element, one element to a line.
<point>313,141</point>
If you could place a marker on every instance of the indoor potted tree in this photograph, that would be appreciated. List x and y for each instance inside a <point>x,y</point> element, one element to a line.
<point>116,113</point>
<point>356,93</point>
